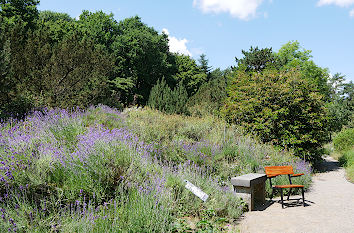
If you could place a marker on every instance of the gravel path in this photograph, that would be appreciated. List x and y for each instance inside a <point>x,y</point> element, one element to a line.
<point>330,208</point>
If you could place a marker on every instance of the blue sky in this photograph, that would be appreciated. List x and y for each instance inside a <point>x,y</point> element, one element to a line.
<point>222,28</point>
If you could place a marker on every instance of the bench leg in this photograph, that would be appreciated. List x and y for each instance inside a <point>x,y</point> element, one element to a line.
<point>303,196</point>
<point>289,194</point>
<point>271,196</point>
<point>282,201</point>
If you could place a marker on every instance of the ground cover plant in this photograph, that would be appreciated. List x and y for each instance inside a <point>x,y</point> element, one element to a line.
<point>102,170</point>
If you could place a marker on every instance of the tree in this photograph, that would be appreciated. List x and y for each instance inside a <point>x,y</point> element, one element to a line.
<point>293,56</point>
<point>5,81</point>
<point>189,73</point>
<point>72,72</point>
<point>340,107</point>
<point>100,27</point>
<point>280,107</point>
<point>141,58</point>
<point>77,73</point>
<point>165,100</point>
<point>25,10</point>
<point>257,59</point>
<point>57,24</point>
<point>160,96</point>
<point>210,97</point>
<point>54,16</point>
<point>180,98</point>
<point>12,48</point>
<point>204,65</point>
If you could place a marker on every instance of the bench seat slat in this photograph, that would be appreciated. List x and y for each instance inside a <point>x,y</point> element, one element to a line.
<point>300,174</point>
<point>289,186</point>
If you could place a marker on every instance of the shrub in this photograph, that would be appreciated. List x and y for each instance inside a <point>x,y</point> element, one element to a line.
<point>280,107</point>
<point>209,98</point>
<point>344,140</point>
<point>165,100</point>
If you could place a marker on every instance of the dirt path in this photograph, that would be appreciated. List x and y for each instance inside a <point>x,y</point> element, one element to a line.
<point>330,208</point>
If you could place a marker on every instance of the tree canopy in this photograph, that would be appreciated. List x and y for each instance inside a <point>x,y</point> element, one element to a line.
<point>280,107</point>
<point>257,59</point>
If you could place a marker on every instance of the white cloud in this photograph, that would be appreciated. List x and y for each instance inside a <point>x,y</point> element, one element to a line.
<point>177,45</point>
<point>351,13</point>
<point>242,9</point>
<point>341,3</point>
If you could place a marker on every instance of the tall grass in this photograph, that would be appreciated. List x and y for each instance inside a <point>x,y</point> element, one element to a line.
<point>101,170</point>
<point>343,144</point>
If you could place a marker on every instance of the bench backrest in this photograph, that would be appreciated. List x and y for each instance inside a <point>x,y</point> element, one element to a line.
<point>278,170</point>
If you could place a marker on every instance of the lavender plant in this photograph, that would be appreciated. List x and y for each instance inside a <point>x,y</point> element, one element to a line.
<point>101,170</point>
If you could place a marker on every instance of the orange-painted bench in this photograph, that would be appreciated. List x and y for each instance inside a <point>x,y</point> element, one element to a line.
<point>274,171</point>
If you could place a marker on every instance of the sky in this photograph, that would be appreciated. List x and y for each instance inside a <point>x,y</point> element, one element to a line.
<point>221,29</point>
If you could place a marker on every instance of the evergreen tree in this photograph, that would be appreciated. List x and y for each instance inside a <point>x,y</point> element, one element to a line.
<point>158,95</point>
<point>165,100</point>
<point>180,97</point>
<point>204,66</point>
<point>257,59</point>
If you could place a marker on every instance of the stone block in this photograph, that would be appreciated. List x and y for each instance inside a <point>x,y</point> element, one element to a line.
<point>251,188</point>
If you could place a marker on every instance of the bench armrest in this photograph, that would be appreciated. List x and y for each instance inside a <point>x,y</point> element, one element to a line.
<point>295,175</point>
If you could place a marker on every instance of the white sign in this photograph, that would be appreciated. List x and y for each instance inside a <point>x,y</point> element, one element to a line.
<point>197,191</point>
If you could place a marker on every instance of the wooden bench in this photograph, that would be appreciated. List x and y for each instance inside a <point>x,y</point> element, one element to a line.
<point>274,171</point>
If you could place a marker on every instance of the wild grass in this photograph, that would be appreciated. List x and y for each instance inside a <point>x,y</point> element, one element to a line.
<point>102,170</point>
<point>343,144</point>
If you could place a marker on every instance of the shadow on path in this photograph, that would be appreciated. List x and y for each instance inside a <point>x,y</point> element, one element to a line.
<point>328,164</point>
<point>292,202</point>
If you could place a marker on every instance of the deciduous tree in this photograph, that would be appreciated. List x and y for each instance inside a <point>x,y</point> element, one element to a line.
<point>280,107</point>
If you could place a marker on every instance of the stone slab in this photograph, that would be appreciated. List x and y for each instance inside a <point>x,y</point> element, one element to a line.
<point>248,180</point>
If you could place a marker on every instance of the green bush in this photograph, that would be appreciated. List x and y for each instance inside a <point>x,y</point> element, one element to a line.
<point>209,98</point>
<point>344,140</point>
<point>166,100</point>
<point>281,108</point>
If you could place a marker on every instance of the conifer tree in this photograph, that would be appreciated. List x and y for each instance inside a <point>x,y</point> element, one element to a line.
<point>180,96</point>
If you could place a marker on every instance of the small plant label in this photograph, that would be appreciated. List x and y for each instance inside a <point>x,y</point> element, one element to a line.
<point>197,191</point>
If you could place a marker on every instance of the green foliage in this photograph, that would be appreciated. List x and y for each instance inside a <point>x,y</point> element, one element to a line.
<point>210,97</point>
<point>237,154</point>
<point>341,105</point>
<point>343,143</point>
<point>71,73</point>
<point>160,96</point>
<point>348,161</point>
<point>166,100</point>
<point>189,73</point>
<point>257,59</point>
<point>344,140</point>
<point>281,108</point>
<point>141,56</point>
<point>109,62</point>
<point>204,65</point>
<point>180,97</point>
<point>100,27</point>
<point>292,56</point>
<point>25,10</point>
<point>45,16</point>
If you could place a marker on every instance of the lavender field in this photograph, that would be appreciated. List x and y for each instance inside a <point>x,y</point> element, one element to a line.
<point>101,170</point>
